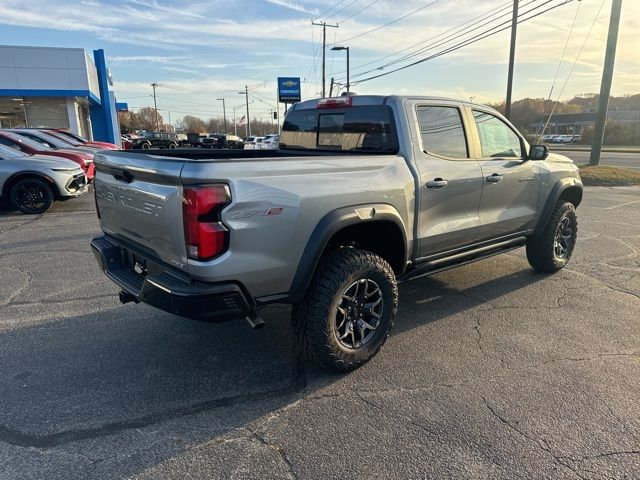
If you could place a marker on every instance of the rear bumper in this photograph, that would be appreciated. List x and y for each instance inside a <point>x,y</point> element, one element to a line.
<point>166,291</point>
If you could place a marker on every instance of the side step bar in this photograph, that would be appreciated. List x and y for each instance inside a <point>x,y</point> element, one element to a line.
<point>433,266</point>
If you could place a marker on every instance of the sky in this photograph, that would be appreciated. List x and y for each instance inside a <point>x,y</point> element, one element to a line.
<point>200,51</point>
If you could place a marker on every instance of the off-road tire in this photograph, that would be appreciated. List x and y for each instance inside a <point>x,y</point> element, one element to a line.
<point>540,249</point>
<point>314,319</point>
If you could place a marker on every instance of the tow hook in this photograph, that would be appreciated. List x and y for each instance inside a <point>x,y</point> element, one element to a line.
<point>255,321</point>
<point>126,297</point>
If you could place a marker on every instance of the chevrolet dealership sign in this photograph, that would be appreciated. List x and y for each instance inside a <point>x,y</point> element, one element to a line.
<point>288,89</point>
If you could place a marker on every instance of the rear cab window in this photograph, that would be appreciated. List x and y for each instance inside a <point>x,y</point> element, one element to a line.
<point>367,128</point>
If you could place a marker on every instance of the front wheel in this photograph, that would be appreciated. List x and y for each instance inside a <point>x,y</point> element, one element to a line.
<point>552,249</point>
<point>348,310</point>
<point>31,196</point>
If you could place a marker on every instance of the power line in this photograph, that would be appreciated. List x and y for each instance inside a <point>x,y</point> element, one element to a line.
<point>456,32</point>
<point>477,38</point>
<point>574,64</point>
<point>462,43</point>
<point>477,19</point>
<point>388,23</point>
<point>342,9</point>
<point>356,13</point>
<point>329,9</point>
<point>564,50</point>
<point>448,38</point>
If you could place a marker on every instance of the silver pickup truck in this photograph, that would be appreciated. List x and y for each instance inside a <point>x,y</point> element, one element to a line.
<point>364,192</point>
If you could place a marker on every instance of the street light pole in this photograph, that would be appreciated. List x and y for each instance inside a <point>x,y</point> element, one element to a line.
<point>155,105</point>
<point>224,114</point>
<point>235,125</point>
<point>347,50</point>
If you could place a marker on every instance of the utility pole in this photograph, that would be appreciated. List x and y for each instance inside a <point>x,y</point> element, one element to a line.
<point>512,55</point>
<point>324,54</point>
<point>605,86</point>
<point>246,98</point>
<point>155,105</point>
<point>331,87</point>
<point>224,114</point>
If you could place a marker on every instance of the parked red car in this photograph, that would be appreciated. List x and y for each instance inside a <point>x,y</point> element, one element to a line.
<point>67,135</point>
<point>31,147</point>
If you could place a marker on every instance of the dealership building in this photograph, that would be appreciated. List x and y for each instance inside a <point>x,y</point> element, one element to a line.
<point>44,87</point>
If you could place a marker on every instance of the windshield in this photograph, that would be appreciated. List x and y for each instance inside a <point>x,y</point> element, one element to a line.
<point>66,133</point>
<point>27,141</point>
<point>65,138</point>
<point>45,139</point>
<point>354,129</point>
<point>8,153</point>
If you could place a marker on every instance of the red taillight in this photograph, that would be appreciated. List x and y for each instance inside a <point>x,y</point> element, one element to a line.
<point>204,233</point>
<point>334,102</point>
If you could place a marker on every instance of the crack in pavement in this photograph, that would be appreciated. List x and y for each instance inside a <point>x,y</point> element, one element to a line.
<point>279,449</point>
<point>20,289</point>
<point>558,459</point>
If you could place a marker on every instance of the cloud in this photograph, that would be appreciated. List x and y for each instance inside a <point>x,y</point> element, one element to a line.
<point>298,7</point>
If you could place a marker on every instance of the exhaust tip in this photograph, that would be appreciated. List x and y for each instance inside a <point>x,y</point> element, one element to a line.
<point>256,322</point>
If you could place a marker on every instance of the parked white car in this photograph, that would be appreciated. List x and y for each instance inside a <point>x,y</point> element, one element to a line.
<point>270,142</point>
<point>252,143</point>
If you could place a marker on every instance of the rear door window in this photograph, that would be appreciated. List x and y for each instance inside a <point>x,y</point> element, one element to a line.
<point>354,129</point>
<point>442,131</point>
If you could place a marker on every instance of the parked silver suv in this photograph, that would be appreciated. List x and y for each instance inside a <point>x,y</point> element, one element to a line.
<point>33,182</point>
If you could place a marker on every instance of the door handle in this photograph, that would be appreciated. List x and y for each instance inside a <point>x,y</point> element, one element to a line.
<point>494,178</point>
<point>437,183</point>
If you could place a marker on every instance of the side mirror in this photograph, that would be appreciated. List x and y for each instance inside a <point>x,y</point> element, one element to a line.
<point>538,152</point>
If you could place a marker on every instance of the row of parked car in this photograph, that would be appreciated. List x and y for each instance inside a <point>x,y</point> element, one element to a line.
<point>561,138</point>
<point>270,142</point>
<point>214,140</point>
<point>39,166</point>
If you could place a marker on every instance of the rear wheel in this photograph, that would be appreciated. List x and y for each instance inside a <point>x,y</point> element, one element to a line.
<point>552,249</point>
<point>145,146</point>
<point>172,146</point>
<point>348,310</point>
<point>31,196</point>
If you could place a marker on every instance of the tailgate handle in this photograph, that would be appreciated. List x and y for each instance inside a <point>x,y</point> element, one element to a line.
<point>122,175</point>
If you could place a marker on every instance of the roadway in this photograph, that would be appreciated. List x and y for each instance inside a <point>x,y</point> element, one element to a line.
<point>614,159</point>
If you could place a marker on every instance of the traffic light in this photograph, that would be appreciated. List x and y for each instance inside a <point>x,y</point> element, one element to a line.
<point>275,115</point>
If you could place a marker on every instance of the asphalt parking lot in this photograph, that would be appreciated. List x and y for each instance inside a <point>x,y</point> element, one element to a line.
<point>492,371</point>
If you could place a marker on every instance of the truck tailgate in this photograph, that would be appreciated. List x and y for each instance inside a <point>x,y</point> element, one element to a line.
<point>139,199</point>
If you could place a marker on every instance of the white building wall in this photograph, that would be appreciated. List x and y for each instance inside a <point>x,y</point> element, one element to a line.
<point>47,68</point>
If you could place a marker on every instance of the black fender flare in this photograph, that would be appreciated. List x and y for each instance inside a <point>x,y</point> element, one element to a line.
<point>328,226</point>
<point>558,189</point>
